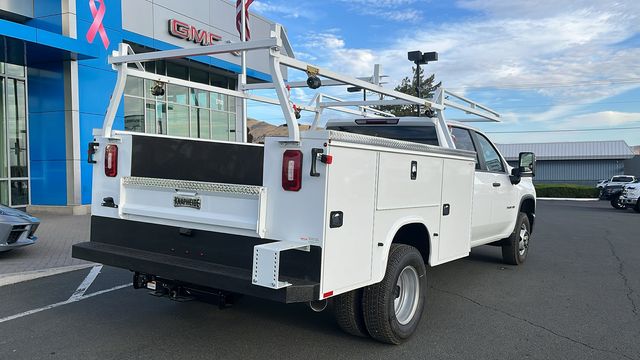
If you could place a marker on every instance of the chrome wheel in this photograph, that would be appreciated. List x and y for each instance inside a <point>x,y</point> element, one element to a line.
<point>523,242</point>
<point>407,295</point>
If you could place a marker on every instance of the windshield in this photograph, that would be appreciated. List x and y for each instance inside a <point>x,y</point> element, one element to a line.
<point>622,179</point>
<point>418,134</point>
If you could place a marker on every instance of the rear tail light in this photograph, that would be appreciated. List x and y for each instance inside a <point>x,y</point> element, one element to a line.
<point>111,160</point>
<point>292,170</point>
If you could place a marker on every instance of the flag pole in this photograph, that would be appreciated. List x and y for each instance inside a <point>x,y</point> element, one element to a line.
<point>243,75</point>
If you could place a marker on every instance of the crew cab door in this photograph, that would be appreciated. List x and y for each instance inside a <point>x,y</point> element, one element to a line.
<point>494,171</point>
<point>493,193</point>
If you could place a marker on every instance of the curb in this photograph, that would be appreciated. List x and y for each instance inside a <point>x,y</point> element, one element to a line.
<point>10,279</point>
<point>570,199</point>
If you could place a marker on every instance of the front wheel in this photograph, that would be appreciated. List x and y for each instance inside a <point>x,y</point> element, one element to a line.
<point>516,247</point>
<point>393,307</point>
<point>637,206</point>
<point>616,203</point>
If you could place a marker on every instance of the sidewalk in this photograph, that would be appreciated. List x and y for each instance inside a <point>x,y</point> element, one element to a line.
<point>55,235</point>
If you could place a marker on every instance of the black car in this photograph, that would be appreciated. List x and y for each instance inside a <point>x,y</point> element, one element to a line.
<point>611,191</point>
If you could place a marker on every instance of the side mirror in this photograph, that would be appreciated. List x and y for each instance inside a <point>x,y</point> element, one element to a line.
<point>527,164</point>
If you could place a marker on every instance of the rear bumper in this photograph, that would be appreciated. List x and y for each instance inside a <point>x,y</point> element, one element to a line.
<point>215,261</point>
<point>213,276</point>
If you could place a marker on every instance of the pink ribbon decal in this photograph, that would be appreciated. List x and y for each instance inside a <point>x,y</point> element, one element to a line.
<point>96,26</point>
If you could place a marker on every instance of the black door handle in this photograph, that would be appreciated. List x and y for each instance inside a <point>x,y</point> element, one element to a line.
<point>314,157</point>
<point>496,184</point>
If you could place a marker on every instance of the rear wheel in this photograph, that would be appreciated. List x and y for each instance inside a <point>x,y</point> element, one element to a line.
<point>347,309</point>
<point>616,203</point>
<point>393,307</point>
<point>516,247</point>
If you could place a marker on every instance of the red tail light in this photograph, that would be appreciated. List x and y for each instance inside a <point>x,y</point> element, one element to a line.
<point>292,170</point>
<point>111,160</point>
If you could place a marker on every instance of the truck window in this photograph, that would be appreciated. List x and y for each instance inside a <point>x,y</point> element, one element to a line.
<point>418,134</point>
<point>462,140</point>
<point>492,161</point>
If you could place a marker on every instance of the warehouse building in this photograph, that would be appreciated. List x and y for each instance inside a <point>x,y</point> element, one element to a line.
<point>55,84</point>
<point>581,163</point>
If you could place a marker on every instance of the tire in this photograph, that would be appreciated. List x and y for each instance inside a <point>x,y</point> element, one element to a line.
<point>516,247</point>
<point>637,206</point>
<point>615,202</point>
<point>347,309</point>
<point>386,320</point>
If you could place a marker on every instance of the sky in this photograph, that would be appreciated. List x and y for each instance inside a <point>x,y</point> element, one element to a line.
<point>556,70</point>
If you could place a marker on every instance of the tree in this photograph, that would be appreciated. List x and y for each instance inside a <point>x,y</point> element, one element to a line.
<point>408,86</point>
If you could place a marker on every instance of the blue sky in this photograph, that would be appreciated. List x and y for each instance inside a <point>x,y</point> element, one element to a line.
<point>547,66</point>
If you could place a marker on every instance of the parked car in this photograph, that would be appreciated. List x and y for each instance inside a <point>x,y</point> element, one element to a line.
<point>17,228</point>
<point>630,197</point>
<point>613,189</point>
<point>602,183</point>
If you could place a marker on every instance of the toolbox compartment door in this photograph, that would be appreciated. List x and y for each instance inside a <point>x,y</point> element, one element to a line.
<point>456,209</point>
<point>351,195</point>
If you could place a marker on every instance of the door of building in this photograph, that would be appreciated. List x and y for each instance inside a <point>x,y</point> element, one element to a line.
<point>14,156</point>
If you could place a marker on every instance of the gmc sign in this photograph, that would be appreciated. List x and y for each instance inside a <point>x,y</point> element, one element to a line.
<point>188,32</point>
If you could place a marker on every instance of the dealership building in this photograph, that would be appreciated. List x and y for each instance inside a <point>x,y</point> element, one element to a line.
<point>580,162</point>
<point>55,85</point>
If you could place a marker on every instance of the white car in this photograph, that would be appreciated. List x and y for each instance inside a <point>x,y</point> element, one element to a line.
<point>630,195</point>
<point>602,183</point>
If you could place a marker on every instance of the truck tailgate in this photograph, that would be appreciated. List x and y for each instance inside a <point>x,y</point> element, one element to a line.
<point>186,183</point>
<point>194,202</point>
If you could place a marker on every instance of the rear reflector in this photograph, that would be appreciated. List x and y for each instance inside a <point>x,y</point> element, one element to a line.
<point>292,170</point>
<point>111,160</point>
<point>327,294</point>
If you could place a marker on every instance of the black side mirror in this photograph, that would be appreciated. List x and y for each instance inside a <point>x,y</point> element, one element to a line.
<point>527,164</point>
<point>526,167</point>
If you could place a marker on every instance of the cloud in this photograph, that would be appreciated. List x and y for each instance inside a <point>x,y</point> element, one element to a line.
<point>283,9</point>
<point>554,52</point>
<point>394,10</point>
<point>600,119</point>
<point>564,52</point>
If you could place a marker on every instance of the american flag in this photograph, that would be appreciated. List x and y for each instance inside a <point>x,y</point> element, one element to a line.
<point>239,17</point>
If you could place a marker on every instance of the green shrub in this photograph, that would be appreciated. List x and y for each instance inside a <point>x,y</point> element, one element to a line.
<point>566,191</point>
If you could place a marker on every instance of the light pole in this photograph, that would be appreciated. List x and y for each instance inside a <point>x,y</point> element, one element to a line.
<point>419,58</point>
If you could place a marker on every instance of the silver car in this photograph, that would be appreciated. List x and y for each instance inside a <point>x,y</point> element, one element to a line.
<point>17,228</point>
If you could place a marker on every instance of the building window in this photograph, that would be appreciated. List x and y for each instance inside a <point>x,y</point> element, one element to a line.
<point>183,111</point>
<point>14,155</point>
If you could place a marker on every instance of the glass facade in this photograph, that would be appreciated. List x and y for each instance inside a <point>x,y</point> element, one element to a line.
<point>182,111</point>
<point>14,155</point>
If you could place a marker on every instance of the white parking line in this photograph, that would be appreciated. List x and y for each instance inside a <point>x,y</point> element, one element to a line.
<point>93,274</point>
<point>77,295</point>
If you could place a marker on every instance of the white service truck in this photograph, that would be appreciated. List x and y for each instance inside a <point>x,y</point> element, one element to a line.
<point>351,213</point>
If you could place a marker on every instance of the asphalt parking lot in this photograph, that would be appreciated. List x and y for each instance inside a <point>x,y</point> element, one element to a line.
<point>577,297</point>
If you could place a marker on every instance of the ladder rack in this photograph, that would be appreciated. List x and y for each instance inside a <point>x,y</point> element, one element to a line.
<point>277,59</point>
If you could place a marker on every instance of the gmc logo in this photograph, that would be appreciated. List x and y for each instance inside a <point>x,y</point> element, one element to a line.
<point>188,32</point>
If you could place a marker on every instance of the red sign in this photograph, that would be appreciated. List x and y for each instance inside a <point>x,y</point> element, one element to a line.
<point>188,32</point>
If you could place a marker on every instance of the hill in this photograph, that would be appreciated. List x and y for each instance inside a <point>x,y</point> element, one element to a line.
<point>260,129</point>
